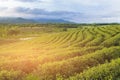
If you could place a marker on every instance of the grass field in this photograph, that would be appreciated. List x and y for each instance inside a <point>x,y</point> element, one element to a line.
<point>59,53</point>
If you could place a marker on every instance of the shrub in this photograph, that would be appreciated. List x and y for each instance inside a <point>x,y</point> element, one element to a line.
<point>10,75</point>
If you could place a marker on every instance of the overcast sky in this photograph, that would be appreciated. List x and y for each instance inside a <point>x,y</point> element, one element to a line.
<point>74,10</point>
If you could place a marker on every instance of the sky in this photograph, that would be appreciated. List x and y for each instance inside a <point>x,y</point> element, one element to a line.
<point>79,11</point>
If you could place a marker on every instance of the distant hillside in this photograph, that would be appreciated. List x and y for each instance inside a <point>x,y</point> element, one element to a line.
<point>15,20</point>
<point>52,21</point>
<point>23,20</point>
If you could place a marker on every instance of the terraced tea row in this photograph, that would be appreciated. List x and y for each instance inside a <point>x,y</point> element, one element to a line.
<point>71,54</point>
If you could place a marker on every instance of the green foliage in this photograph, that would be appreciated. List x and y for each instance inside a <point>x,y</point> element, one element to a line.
<point>59,52</point>
<point>31,77</point>
<point>114,41</point>
<point>10,75</point>
<point>108,71</point>
<point>77,64</point>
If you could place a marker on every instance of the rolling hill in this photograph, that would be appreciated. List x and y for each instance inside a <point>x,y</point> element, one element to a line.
<point>83,53</point>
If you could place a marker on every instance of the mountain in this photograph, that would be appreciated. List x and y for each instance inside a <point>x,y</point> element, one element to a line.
<point>23,20</point>
<point>15,20</point>
<point>52,21</point>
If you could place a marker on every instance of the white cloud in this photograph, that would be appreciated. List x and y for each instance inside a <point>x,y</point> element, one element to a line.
<point>85,10</point>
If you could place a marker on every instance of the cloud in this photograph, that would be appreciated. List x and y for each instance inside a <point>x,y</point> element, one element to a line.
<point>29,0</point>
<point>74,10</point>
<point>3,0</point>
<point>46,14</point>
<point>3,8</point>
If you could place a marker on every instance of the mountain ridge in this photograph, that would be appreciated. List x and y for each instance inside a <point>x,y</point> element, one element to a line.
<point>24,20</point>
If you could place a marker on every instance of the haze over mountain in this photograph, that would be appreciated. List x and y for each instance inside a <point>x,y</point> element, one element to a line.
<point>23,20</point>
